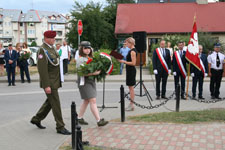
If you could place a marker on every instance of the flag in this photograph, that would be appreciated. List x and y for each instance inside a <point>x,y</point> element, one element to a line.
<point>192,53</point>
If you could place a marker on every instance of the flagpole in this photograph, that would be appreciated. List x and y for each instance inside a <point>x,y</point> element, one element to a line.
<point>189,66</point>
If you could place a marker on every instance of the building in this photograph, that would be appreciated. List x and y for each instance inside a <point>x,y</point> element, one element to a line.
<point>158,19</point>
<point>166,1</point>
<point>16,26</point>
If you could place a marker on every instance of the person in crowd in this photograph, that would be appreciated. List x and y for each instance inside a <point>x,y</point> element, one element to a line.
<point>18,49</point>
<point>25,47</point>
<point>87,87</point>
<point>2,62</point>
<point>130,70</point>
<point>124,51</point>
<point>10,59</point>
<point>185,47</point>
<point>179,68</point>
<point>66,51</point>
<point>198,75</point>
<point>23,64</point>
<point>49,72</point>
<point>59,50</point>
<point>170,49</point>
<point>161,68</point>
<point>216,66</point>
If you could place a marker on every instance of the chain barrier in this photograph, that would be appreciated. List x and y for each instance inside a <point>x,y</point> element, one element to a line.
<point>207,101</point>
<point>151,106</point>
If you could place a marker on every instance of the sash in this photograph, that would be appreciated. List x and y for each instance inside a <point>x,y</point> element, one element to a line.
<point>180,64</point>
<point>162,60</point>
<point>202,67</point>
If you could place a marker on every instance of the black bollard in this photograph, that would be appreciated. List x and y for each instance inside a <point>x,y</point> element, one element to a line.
<point>73,124</point>
<point>79,138</point>
<point>122,103</point>
<point>178,98</point>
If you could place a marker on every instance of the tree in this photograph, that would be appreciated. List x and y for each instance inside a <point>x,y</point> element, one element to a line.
<point>33,44</point>
<point>95,28</point>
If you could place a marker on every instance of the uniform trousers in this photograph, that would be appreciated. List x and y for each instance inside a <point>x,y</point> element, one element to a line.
<point>197,79</point>
<point>176,78</point>
<point>52,102</point>
<point>162,75</point>
<point>215,81</point>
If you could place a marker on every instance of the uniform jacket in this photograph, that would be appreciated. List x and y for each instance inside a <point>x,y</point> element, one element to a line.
<point>156,62</point>
<point>49,73</point>
<point>205,62</point>
<point>175,65</point>
<point>13,57</point>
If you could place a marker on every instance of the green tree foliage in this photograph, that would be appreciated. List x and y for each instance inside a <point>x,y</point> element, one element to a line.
<point>98,23</point>
<point>33,44</point>
<point>95,28</point>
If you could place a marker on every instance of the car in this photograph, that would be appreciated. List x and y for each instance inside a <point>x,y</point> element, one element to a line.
<point>33,57</point>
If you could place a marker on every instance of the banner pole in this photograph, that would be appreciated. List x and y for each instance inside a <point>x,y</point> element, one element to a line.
<point>189,66</point>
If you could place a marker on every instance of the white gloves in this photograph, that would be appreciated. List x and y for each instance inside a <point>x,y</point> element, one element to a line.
<point>192,74</point>
<point>174,73</point>
<point>155,71</point>
<point>169,71</point>
<point>206,74</point>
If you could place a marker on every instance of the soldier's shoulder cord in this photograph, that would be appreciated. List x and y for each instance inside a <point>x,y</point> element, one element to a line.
<point>49,58</point>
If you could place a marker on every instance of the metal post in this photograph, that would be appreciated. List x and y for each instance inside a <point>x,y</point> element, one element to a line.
<point>73,124</point>
<point>78,41</point>
<point>122,103</point>
<point>178,98</point>
<point>141,64</point>
<point>79,138</point>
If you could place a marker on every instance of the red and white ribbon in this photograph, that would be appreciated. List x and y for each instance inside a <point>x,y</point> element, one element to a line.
<point>162,60</point>
<point>180,64</point>
<point>202,67</point>
<point>109,71</point>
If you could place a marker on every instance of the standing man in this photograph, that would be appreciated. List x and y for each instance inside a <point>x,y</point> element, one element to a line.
<point>49,72</point>
<point>162,68</point>
<point>124,51</point>
<point>179,68</point>
<point>216,70</point>
<point>198,76</point>
<point>10,59</point>
<point>66,51</point>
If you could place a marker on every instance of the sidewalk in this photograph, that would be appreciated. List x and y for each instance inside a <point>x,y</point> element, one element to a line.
<point>155,136</point>
<point>110,78</point>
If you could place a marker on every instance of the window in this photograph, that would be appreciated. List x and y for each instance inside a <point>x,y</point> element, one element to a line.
<point>59,33</point>
<point>31,24</point>
<point>9,23</point>
<point>21,24</point>
<point>1,32</point>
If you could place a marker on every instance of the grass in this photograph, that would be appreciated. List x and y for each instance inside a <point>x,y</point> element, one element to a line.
<point>186,117</point>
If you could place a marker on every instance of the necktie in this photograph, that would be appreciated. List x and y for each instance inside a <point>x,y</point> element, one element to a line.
<point>164,53</point>
<point>180,54</point>
<point>217,61</point>
<point>10,53</point>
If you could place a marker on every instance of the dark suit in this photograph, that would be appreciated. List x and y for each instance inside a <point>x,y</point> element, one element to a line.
<point>199,76</point>
<point>178,72</point>
<point>162,74</point>
<point>23,64</point>
<point>10,68</point>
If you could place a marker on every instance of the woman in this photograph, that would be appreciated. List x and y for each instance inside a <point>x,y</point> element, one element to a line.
<point>2,62</point>
<point>18,50</point>
<point>26,48</point>
<point>170,49</point>
<point>87,87</point>
<point>23,64</point>
<point>130,70</point>
<point>59,50</point>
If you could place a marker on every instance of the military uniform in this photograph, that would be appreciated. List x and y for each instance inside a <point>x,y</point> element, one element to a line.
<point>49,71</point>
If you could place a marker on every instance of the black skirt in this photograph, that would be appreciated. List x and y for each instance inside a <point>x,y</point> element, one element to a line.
<point>2,61</point>
<point>130,75</point>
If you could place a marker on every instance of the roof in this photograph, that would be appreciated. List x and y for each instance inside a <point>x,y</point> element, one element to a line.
<point>37,16</point>
<point>12,13</point>
<point>169,17</point>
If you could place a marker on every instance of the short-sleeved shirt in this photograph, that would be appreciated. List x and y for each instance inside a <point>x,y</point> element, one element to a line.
<point>212,60</point>
<point>65,50</point>
<point>124,51</point>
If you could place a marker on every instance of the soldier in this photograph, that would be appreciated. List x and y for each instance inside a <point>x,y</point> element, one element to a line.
<point>198,76</point>
<point>216,66</point>
<point>49,71</point>
<point>179,68</point>
<point>162,68</point>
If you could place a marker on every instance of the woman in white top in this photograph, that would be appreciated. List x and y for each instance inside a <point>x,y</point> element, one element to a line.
<point>2,62</point>
<point>170,49</point>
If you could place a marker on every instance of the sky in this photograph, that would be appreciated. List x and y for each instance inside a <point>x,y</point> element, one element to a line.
<point>60,6</point>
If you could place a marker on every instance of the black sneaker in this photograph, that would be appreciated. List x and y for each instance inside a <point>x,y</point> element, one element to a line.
<point>212,97</point>
<point>219,98</point>
<point>193,98</point>
<point>200,97</point>
<point>102,122</point>
<point>82,121</point>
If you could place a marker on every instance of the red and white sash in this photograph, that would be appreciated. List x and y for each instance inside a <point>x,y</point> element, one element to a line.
<point>180,64</point>
<point>162,60</point>
<point>202,67</point>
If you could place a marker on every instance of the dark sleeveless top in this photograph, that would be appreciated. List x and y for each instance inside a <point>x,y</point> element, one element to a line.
<point>130,70</point>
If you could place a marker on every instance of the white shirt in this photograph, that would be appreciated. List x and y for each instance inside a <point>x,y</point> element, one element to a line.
<point>65,49</point>
<point>185,48</point>
<point>212,60</point>
<point>77,55</point>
